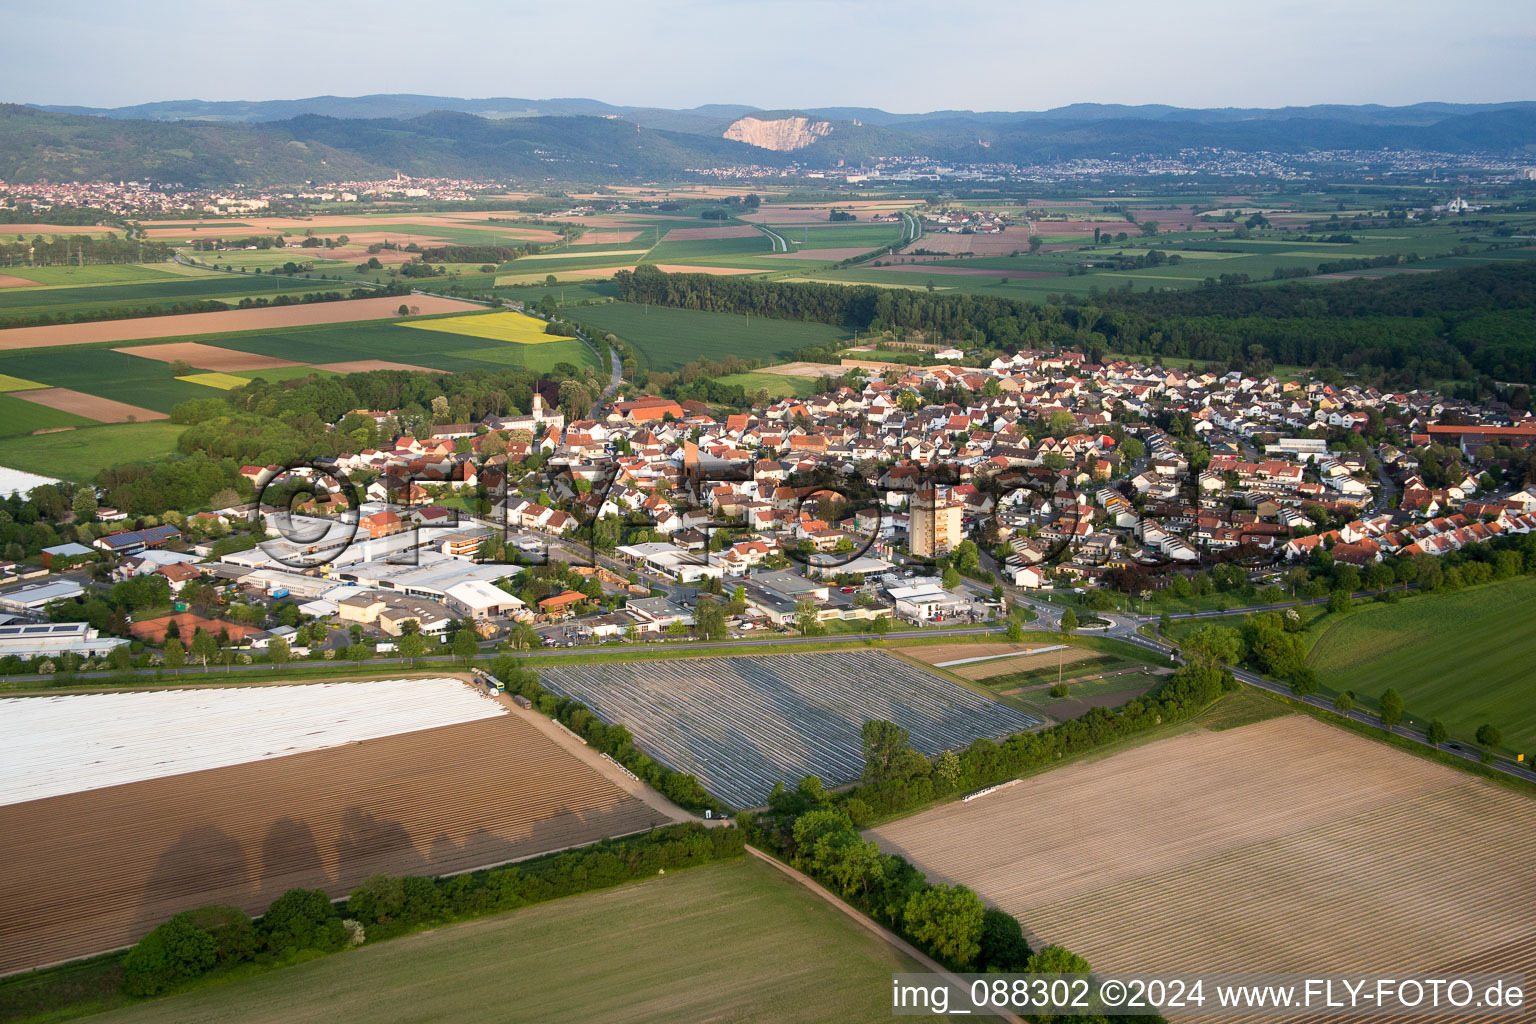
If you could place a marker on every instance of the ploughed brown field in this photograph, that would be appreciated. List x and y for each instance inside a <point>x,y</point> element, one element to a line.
<point>1023,663</point>
<point>921,268</point>
<point>694,234</point>
<point>367,365</point>
<point>90,406</point>
<point>207,357</point>
<point>268,318</point>
<point>92,871</point>
<point>606,238</point>
<point>934,654</point>
<point>1285,845</point>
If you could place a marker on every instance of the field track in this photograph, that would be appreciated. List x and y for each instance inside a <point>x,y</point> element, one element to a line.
<point>1285,845</point>
<point>269,318</point>
<point>92,871</point>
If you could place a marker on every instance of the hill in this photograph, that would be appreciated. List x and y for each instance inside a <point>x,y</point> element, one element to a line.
<point>37,144</point>
<point>333,138</point>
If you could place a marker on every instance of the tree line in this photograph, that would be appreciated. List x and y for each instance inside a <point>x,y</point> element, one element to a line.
<point>303,923</point>
<point>75,250</point>
<point>1407,330</point>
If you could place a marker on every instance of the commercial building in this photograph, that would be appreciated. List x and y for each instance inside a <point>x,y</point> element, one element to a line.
<point>34,597</point>
<point>671,560</point>
<point>51,639</point>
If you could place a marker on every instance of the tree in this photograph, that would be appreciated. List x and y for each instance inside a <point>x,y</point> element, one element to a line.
<point>404,310</point>
<point>1015,630</point>
<point>1219,644</point>
<point>466,644</point>
<point>1345,702</point>
<point>1003,947</point>
<point>523,636</point>
<point>1391,709</point>
<point>173,953</point>
<point>1339,602</point>
<point>806,617</point>
<point>204,646</point>
<point>947,920</point>
<point>1068,621</point>
<point>881,625</point>
<point>277,651</point>
<point>888,752</point>
<point>1437,733</point>
<point>413,646</point>
<point>175,654</point>
<point>85,504</point>
<point>709,619</point>
<point>967,558</point>
<point>951,577</point>
<point>1489,736</point>
<point>1056,960</point>
<point>302,919</point>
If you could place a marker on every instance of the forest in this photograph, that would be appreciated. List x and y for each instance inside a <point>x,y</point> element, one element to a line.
<point>1403,331</point>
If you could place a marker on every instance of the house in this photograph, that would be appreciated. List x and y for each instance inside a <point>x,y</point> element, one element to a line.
<point>379,524</point>
<point>646,410</point>
<point>1029,577</point>
<point>179,574</point>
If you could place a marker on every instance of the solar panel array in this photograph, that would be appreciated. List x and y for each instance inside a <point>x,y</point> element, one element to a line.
<point>741,724</point>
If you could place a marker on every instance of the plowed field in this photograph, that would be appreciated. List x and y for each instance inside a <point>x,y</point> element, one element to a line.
<point>91,871</point>
<point>1286,845</point>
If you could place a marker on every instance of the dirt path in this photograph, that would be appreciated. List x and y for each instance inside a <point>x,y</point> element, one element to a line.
<point>901,944</point>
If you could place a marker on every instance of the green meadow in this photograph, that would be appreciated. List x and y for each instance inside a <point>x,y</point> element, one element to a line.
<point>1465,658</point>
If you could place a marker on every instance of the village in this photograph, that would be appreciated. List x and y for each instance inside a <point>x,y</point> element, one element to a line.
<point>834,512</point>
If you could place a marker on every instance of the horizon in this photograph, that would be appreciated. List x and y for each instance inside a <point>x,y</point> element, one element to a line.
<point>779,110</point>
<point>683,54</point>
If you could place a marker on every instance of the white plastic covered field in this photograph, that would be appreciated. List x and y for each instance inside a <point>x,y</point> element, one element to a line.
<point>70,743</point>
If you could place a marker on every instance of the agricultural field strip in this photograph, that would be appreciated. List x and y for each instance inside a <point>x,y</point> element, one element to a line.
<point>433,801</point>
<point>265,318</point>
<point>742,724</point>
<point>995,657</point>
<point>67,744</point>
<point>634,953</point>
<point>1373,855</point>
<point>513,327</point>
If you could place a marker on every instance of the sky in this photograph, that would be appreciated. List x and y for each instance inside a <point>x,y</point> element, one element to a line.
<point>898,55</point>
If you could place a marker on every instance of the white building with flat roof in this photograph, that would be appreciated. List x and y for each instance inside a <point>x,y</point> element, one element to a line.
<point>52,639</point>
